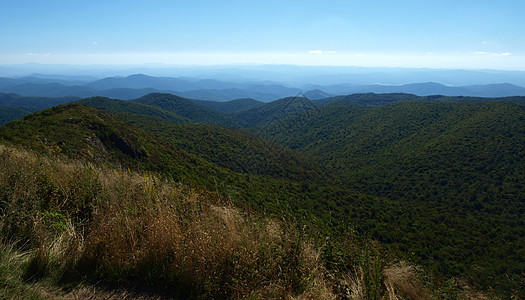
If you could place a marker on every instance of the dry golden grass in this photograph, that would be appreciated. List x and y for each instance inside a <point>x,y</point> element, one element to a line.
<point>119,226</point>
<point>402,282</point>
<point>82,223</point>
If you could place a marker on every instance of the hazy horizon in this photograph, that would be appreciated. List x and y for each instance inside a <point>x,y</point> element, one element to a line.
<point>406,34</point>
<point>292,75</point>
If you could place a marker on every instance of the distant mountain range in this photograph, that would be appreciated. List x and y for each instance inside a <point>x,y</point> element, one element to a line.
<point>135,86</point>
<point>426,89</point>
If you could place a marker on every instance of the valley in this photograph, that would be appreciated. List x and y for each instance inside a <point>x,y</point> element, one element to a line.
<point>436,180</point>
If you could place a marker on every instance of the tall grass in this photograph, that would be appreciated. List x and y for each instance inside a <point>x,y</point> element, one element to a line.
<point>84,223</point>
<point>11,262</point>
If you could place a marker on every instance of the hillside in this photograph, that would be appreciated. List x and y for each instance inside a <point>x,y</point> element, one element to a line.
<point>187,109</point>
<point>233,149</point>
<point>232,106</point>
<point>384,99</point>
<point>248,169</point>
<point>419,146</point>
<point>33,103</point>
<point>86,232</point>
<point>370,99</point>
<point>455,170</point>
<point>123,108</point>
<point>83,132</point>
<point>413,143</point>
<point>439,180</point>
<point>262,92</point>
<point>317,94</point>
<point>236,150</point>
<point>275,111</point>
<point>9,113</point>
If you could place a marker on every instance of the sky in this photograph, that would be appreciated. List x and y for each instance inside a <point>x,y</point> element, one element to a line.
<point>371,33</point>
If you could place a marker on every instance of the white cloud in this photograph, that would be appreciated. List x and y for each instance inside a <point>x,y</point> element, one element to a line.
<point>430,53</point>
<point>492,53</point>
<point>485,42</point>
<point>37,54</point>
<point>94,43</point>
<point>502,54</point>
<point>321,52</point>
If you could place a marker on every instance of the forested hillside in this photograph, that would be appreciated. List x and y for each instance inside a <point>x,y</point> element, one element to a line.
<point>187,109</point>
<point>250,170</point>
<point>438,180</point>
<point>13,106</point>
<point>121,108</point>
<point>232,106</point>
<point>444,169</point>
<point>85,231</point>
<point>83,132</point>
<point>9,113</point>
<point>456,172</point>
<point>383,99</point>
<point>275,111</point>
<point>36,103</point>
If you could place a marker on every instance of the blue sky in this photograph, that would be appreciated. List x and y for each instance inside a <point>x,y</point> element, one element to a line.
<point>436,34</point>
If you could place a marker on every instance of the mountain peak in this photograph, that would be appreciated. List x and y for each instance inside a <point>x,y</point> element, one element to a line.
<point>317,94</point>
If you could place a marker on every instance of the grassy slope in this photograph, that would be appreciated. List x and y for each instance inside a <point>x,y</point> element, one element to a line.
<point>368,214</point>
<point>269,177</point>
<point>81,224</point>
<point>409,142</point>
<point>84,132</point>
